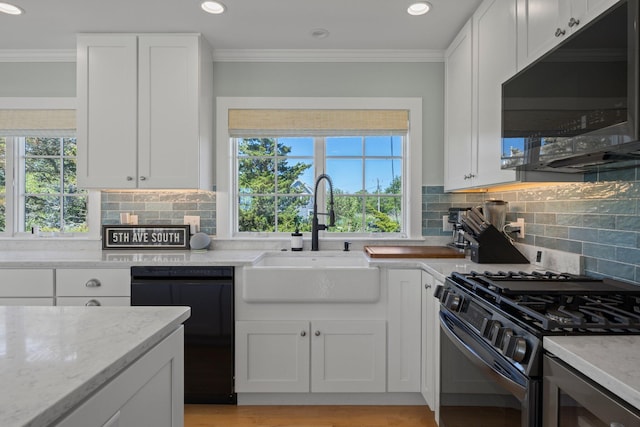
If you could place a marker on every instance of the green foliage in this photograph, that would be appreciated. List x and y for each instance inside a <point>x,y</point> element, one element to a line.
<point>265,171</point>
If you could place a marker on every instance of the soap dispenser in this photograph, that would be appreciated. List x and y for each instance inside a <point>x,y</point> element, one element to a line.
<point>296,240</point>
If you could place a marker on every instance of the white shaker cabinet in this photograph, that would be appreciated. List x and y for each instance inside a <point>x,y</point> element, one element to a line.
<point>405,332</point>
<point>93,287</point>
<point>494,38</point>
<point>316,356</point>
<point>26,287</point>
<point>150,392</point>
<point>430,343</point>
<point>459,144</point>
<point>480,59</point>
<point>542,24</point>
<point>144,111</point>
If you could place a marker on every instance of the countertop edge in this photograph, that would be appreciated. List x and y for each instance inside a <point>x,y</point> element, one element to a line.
<point>620,375</point>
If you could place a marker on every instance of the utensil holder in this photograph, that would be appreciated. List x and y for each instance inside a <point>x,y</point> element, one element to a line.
<point>492,246</point>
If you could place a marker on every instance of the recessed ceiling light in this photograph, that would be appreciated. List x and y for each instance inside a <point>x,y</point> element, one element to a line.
<point>212,7</point>
<point>419,8</point>
<point>10,9</point>
<point>319,33</point>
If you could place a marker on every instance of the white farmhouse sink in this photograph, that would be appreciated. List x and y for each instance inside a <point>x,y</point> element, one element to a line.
<point>311,277</point>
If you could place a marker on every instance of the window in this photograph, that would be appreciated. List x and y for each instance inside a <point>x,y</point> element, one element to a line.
<point>276,178</point>
<point>38,188</point>
<point>266,174</point>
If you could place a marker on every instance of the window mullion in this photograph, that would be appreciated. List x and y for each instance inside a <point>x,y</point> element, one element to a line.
<point>20,185</point>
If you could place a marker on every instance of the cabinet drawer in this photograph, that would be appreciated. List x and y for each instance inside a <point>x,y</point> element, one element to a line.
<point>94,301</point>
<point>26,301</point>
<point>26,283</point>
<point>93,282</point>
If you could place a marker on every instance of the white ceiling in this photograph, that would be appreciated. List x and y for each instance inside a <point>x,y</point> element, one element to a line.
<point>247,24</point>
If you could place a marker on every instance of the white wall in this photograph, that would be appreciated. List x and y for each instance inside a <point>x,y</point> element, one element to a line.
<point>340,79</point>
<point>37,79</point>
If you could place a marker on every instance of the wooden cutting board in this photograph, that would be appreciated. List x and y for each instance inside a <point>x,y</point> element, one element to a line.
<point>412,252</point>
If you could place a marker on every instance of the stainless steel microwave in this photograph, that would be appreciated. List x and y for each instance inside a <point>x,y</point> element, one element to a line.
<point>576,108</point>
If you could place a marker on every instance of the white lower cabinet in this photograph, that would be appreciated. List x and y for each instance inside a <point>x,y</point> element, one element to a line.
<point>430,343</point>
<point>403,317</point>
<point>149,393</point>
<point>310,356</point>
<point>93,287</point>
<point>26,287</point>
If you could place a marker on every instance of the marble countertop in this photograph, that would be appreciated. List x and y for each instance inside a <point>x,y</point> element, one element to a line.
<point>51,358</point>
<point>611,361</point>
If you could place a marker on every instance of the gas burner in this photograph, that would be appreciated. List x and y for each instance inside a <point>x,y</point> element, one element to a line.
<point>565,317</point>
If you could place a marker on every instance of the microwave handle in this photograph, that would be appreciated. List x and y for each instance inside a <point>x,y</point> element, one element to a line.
<point>507,383</point>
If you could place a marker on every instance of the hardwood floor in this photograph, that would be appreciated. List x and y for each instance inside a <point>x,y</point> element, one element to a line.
<point>307,416</point>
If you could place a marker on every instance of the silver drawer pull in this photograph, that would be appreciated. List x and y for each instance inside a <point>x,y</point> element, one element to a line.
<point>93,303</point>
<point>93,283</point>
<point>303,333</point>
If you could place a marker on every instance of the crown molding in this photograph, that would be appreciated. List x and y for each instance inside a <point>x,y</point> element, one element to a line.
<point>256,55</point>
<point>328,55</point>
<point>37,55</point>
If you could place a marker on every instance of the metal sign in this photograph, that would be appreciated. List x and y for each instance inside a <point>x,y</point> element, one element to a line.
<point>145,236</point>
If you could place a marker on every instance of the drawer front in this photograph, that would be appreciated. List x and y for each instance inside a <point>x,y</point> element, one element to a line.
<point>94,301</point>
<point>93,282</point>
<point>26,301</point>
<point>26,283</point>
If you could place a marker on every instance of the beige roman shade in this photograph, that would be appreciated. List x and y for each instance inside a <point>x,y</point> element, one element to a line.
<point>45,122</point>
<point>283,122</point>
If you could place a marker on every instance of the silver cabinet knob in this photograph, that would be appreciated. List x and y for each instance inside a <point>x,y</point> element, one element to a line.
<point>129,178</point>
<point>560,32</point>
<point>93,303</point>
<point>427,285</point>
<point>573,22</point>
<point>93,283</point>
<point>143,178</point>
<point>303,333</point>
<point>317,333</point>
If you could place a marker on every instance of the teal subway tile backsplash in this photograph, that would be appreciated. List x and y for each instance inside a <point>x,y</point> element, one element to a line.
<point>161,207</point>
<point>598,218</point>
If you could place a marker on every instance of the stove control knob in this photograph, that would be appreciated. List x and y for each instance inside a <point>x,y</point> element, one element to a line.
<point>487,326</point>
<point>506,342</point>
<point>494,332</point>
<point>453,302</point>
<point>519,349</point>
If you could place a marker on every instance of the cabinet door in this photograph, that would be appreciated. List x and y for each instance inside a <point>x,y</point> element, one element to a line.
<point>458,103</point>
<point>168,107</point>
<point>19,283</point>
<point>94,301</point>
<point>272,356</point>
<point>91,282</point>
<point>107,111</point>
<point>403,317</point>
<point>348,356</point>
<point>538,21</point>
<point>148,393</point>
<point>430,343</point>
<point>494,34</point>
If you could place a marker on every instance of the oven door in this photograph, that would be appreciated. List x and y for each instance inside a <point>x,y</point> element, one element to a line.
<point>478,386</point>
<point>570,399</point>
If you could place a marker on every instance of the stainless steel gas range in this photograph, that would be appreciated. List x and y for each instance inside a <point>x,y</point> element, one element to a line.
<point>492,328</point>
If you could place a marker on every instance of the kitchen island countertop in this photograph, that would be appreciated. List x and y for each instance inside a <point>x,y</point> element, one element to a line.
<point>613,361</point>
<point>52,358</point>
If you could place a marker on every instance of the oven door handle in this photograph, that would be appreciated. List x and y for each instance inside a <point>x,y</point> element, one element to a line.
<point>507,383</point>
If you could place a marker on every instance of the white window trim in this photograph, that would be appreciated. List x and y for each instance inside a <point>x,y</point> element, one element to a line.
<point>33,103</point>
<point>225,158</point>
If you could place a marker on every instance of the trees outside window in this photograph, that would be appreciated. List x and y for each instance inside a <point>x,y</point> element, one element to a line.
<point>276,175</point>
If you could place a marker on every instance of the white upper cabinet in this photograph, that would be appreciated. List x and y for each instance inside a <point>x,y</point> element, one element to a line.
<point>458,90</point>
<point>542,24</point>
<point>145,111</point>
<point>494,37</point>
<point>480,59</point>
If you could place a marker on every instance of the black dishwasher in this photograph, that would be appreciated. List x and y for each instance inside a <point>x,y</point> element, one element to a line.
<point>208,333</point>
